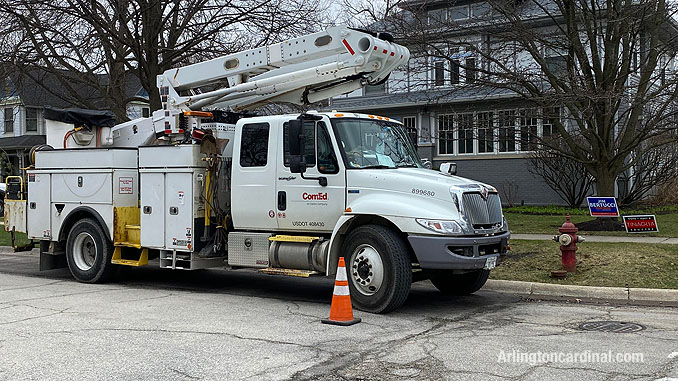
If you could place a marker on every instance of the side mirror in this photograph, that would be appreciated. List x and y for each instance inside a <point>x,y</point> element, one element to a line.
<point>297,164</point>
<point>427,163</point>
<point>450,168</point>
<point>297,149</point>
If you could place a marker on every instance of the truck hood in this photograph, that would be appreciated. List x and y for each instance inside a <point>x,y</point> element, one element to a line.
<point>412,180</point>
<point>412,192</point>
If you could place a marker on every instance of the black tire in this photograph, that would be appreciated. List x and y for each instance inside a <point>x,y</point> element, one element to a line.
<point>459,284</point>
<point>89,252</point>
<point>395,262</point>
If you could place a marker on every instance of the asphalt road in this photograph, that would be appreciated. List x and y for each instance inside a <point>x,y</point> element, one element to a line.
<point>160,324</point>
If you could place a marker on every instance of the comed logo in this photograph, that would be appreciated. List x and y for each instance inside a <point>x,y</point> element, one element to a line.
<point>315,196</point>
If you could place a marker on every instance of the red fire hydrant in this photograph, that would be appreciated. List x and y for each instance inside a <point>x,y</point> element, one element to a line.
<point>568,240</point>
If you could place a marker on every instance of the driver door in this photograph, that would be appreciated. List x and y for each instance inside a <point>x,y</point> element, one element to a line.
<point>303,204</point>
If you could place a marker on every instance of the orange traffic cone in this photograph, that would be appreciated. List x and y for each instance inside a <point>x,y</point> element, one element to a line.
<point>341,312</point>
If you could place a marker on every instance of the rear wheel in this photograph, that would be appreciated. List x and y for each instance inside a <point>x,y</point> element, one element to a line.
<point>459,284</point>
<point>379,268</point>
<point>89,252</point>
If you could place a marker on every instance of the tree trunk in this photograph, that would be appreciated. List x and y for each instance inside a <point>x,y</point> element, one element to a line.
<point>605,184</point>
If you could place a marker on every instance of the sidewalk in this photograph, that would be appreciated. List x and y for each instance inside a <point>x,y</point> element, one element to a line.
<point>600,238</point>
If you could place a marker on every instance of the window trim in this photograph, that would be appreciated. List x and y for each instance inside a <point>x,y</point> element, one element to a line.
<point>468,12</point>
<point>457,131</point>
<point>443,11</point>
<point>438,62</point>
<point>37,127</point>
<point>492,129</point>
<point>5,120</point>
<point>439,138</point>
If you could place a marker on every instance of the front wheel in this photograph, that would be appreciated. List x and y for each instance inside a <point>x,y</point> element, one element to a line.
<point>379,268</point>
<point>459,284</point>
<point>89,252</point>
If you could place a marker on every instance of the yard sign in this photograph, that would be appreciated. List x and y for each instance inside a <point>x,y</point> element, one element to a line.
<point>603,206</point>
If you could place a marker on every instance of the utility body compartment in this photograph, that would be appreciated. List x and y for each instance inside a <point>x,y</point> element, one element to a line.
<point>64,180</point>
<point>172,208</point>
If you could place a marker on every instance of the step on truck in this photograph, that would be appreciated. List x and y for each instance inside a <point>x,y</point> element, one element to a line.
<point>203,182</point>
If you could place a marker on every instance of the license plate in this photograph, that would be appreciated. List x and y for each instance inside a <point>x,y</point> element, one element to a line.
<point>490,263</point>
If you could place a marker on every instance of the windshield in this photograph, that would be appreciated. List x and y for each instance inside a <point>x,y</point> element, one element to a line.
<point>375,144</point>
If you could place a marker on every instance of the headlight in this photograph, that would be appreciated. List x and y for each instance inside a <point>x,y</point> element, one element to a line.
<point>443,227</point>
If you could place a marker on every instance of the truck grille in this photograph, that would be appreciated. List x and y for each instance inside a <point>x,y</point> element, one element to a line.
<point>483,213</point>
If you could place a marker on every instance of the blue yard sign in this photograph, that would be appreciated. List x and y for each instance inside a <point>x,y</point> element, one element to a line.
<point>603,206</point>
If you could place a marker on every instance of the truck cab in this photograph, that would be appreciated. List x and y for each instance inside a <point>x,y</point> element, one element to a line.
<point>356,172</point>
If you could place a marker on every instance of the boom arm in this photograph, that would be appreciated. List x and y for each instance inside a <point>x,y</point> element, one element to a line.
<point>300,71</point>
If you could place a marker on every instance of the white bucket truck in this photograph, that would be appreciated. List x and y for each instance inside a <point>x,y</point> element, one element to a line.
<point>285,194</point>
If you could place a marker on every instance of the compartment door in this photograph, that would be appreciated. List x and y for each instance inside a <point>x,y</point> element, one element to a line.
<point>38,214</point>
<point>153,210</point>
<point>179,211</point>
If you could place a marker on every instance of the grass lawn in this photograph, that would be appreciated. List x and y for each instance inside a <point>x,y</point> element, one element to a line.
<point>598,264</point>
<point>549,224</point>
<point>5,240</point>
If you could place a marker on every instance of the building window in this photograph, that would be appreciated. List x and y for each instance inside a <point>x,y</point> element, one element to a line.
<point>145,112</point>
<point>481,10</point>
<point>548,129</point>
<point>439,73</point>
<point>437,16</point>
<point>410,123</point>
<point>254,145</point>
<point>556,60</point>
<point>9,119</point>
<point>471,71</point>
<point>459,13</point>
<point>454,72</point>
<point>465,127</point>
<point>528,130</point>
<point>507,130</point>
<point>445,135</point>
<point>485,132</point>
<point>32,119</point>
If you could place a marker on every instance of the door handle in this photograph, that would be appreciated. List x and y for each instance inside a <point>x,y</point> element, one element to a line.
<point>282,200</point>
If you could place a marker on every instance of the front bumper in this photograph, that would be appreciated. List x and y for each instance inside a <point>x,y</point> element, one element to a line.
<point>457,253</point>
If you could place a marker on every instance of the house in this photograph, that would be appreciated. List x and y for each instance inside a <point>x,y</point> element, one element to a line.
<point>22,101</point>
<point>455,115</point>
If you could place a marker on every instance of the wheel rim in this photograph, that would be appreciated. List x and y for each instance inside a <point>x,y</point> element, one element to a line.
<point>367,269</point>
<point>84,251</point>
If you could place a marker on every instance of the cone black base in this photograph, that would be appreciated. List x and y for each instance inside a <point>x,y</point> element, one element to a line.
<point>342,323</point>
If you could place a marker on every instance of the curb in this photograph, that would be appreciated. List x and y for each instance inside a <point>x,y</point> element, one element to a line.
<point>600,238</point>
<point>558,292</point>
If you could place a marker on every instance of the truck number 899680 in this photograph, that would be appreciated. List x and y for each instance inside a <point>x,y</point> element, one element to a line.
<point>423,192</point>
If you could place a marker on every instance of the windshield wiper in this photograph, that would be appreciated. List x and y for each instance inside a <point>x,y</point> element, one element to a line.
<point>407,166</point>
<point>377,166</point>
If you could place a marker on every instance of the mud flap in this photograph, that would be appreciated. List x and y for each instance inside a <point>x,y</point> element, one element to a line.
<point>51,257</point>
<point>49,261</point>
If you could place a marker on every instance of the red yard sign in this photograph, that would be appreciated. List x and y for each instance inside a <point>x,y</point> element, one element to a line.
<point>640,224</point>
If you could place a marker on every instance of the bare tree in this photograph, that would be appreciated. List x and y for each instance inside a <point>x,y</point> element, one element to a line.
<point>601,71</point>
<point>98,44</point>
<point>567,177</point>
<point>655,169</point>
